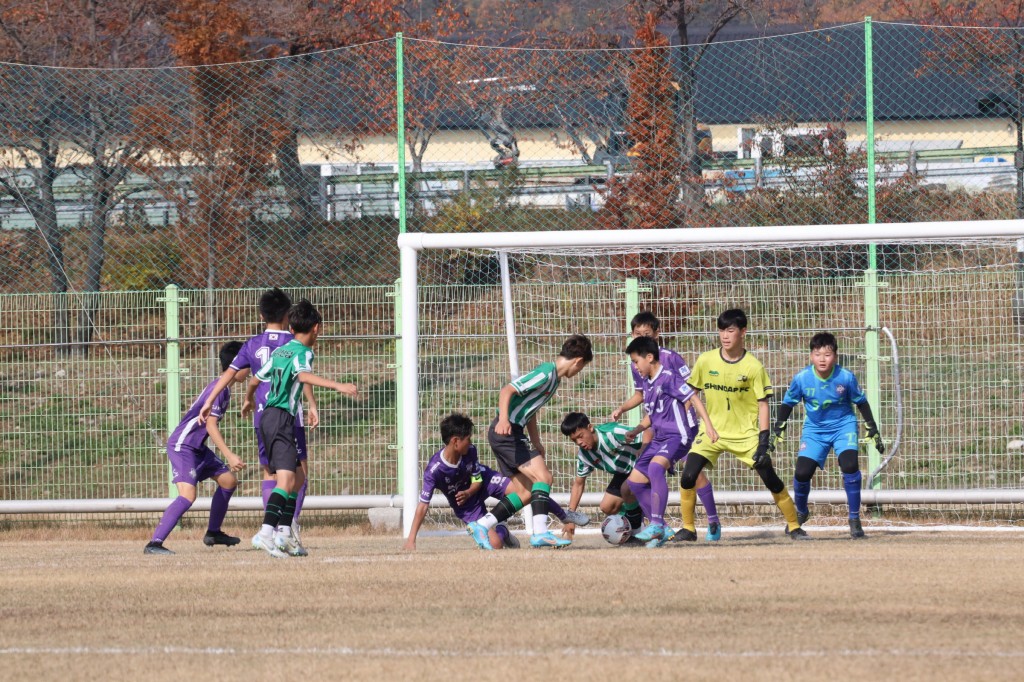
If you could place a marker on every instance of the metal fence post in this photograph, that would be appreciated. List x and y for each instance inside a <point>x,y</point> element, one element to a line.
<point>400,128</point>
<point>172,370</point>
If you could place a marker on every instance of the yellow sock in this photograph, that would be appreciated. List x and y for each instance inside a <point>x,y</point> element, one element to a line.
<point>787,508</point>
<point>688,506</point>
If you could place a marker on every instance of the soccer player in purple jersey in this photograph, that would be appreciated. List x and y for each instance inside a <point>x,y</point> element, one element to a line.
<point>192,461</point>
<point>455,471</point>
<point>274,306</point>
<point>672,407</point>
<point>646,323</point>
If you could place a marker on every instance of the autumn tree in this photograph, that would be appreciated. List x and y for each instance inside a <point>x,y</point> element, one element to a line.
<point>58,123</point>
<point>992,57</point>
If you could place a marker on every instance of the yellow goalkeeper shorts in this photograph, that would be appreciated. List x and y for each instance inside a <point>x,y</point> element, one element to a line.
<point>742,449</point>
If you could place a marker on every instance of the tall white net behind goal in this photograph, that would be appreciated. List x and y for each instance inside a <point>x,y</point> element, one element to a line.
<point>951,296</point>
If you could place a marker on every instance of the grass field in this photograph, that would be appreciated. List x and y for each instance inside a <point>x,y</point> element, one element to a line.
<point>908,606</point>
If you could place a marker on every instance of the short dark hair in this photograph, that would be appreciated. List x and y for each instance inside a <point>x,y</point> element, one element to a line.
<point>274,305</point>
<point>734,317</point>
<point>643,345</point>
<point>577,346</point>
<point>573,422</point>
<point>645,318</point>
<point>456,424</point>
<point>824,340</point>
<point>303,317</point>
<point>228,352</point>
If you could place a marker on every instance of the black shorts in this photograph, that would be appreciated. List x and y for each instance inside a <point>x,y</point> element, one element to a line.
<point>615,485</point>
<point>511,451</point>
<point>277,427</point>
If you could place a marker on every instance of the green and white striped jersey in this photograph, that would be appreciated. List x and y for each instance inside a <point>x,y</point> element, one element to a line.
<point>613,453</point>
<point>533,391</point>
<point>282,371</point>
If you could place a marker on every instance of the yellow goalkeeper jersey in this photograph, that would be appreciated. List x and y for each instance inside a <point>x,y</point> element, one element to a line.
<point>731,391</point>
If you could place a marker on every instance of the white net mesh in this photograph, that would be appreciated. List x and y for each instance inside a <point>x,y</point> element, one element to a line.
<point>954,308</point>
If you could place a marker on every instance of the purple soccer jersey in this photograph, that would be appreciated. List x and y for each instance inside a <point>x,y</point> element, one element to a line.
<point>664,399</point>
<point>449,479</point>
<point>254,354</point>
<point>190,433</point>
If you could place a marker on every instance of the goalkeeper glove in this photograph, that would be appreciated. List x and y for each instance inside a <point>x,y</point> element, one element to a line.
<point>761,456</point>
<point>778,431</point>
<point>873,435</point>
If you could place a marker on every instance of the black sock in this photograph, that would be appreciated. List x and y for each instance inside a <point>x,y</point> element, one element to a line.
<point>289,510</point>
<point>539,501</point>
<point>275,508</point>
<point>504,510</point>
<point>635,517</point>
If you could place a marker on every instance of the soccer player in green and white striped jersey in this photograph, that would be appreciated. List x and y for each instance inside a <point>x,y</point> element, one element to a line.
<point>610,448</point>
<point>288,369</point>
<point>522,458</point>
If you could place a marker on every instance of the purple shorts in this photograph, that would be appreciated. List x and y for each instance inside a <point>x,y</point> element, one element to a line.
<point>191,466</point>
<point>476,507</point>
<point>670,446</point>
<point>300,441</point>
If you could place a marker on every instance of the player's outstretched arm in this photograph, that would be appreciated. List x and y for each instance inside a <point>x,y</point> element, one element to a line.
<point>782,414</point>
<point>312,379</point>
<point>235,463</point>
<point>417,521</point>
<point>871,426</point>
<point>644,424</point>
<point>312,412</point>
<point>636,399</point>
<point>223,382</point>
<point>579,484</point>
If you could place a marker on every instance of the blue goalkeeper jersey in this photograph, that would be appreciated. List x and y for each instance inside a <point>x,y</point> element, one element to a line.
<point>828,403</point>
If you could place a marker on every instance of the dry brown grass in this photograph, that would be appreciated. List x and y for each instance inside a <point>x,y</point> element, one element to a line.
<point>904,606</point>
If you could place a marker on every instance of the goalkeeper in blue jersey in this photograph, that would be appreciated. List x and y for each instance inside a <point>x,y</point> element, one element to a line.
<point>829,393</point>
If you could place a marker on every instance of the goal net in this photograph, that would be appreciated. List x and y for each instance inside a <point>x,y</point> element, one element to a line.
<point>944,299</point>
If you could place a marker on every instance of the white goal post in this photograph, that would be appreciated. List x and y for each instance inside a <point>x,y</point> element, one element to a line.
<point>1001,236</point>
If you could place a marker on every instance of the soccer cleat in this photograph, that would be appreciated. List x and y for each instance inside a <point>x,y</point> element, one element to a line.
<point>685,535</point>
<point>216,537</point>
<point>651,532</point>
<point>479,535</point>
<point>801,518</point>
<point>666,536</point>
<point>856,530</point>
<point>156,548</point>
<point>548,540</point>
<point>799,534</point>
<point>578,518</point>
<point>509,541</point>
<point>267,545</point>
<point>714,533</point>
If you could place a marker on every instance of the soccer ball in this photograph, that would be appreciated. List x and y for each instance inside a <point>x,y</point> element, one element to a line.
<point>616,530</point>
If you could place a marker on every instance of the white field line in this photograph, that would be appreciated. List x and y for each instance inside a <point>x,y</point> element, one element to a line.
<point>842,530</point>
<point>416,652</point>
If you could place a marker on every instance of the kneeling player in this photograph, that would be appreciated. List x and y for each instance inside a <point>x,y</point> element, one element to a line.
<point>605,447</point>
<point>455,471</point>
<point>828,392</point>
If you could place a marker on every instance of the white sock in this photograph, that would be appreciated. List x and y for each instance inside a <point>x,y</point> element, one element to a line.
<point>540,524</point>
<point>489,521</point>
<point>267,531</point>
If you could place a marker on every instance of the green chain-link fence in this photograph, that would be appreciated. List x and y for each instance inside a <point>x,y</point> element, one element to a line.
<point>226,179</point>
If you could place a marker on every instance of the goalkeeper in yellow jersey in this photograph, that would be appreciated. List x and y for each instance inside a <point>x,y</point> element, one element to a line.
<point>736,391</point>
